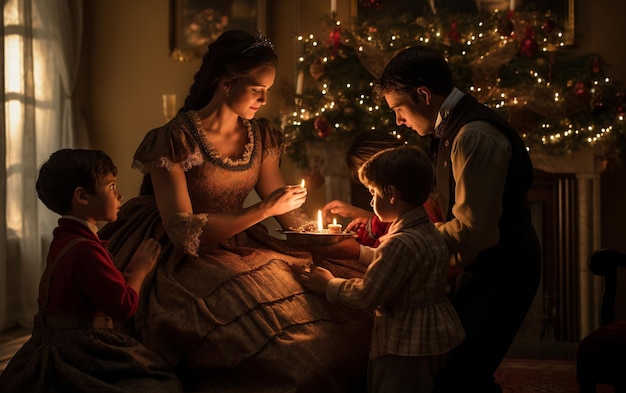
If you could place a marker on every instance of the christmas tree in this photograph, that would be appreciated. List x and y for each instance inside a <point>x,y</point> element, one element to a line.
<point>517,62</point>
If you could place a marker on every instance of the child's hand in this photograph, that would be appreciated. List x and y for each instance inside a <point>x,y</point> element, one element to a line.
<point>144,258</point>
<point>316,279</point>
<point>357,224</point>
<point>342,209</point>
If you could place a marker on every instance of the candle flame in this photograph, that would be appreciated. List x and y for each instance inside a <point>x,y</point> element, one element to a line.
<point>320,226</point>
<point>302,184</point>
<point>334,221</point>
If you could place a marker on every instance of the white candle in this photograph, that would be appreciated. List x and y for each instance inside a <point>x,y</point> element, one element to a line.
<point>333,6</point>
<point>334,227</point>
<point>512,5</point>
<point>299,83</point>
<point>320,226</point>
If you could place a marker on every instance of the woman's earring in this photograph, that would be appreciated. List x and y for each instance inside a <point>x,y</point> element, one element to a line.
<point>392,200</point>
<point>227,90</point>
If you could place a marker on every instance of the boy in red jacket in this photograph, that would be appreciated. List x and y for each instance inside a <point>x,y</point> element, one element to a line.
<point>74,346</point>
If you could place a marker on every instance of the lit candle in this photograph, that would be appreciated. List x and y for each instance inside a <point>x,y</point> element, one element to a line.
<point>302,184</point>
<point>334,227</point>
<point>320,226</point>
<point>333,6</point>
<point>299,83</point>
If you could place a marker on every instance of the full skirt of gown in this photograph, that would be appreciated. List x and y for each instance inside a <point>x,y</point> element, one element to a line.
<point>236,318</point>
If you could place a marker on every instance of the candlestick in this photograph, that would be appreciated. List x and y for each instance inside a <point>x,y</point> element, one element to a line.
<point>299,83</point>
<point>169,106</point>
<point>320,226</point>
<point>334,227</point>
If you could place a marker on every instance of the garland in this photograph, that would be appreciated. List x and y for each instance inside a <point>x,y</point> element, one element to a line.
<point>517,63</point>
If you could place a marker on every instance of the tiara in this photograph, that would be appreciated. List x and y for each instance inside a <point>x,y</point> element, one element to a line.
<point>260,41</point>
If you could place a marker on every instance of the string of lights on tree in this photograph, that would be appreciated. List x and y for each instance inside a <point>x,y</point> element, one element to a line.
<point>515,62</point>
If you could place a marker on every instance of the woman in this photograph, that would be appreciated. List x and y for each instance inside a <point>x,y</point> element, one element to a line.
<point>224,306</point>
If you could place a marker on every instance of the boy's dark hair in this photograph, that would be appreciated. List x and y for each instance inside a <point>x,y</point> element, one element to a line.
<point>408,168</point>
<point>67,169</point>
<point>413,67</point>
<point>365,145</point>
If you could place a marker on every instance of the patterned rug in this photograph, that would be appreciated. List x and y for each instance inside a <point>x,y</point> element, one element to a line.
<point>539,376</point>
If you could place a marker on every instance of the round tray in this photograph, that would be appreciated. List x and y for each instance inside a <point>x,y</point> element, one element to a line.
<point>314,238</point>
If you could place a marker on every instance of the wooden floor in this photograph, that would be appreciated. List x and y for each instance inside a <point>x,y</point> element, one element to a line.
<point>543,350</point>
<point>12,339</point>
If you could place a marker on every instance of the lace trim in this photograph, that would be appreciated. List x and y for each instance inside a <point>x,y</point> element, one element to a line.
<point>210,150</point>
<point>184,230</point>
<point>194,159</point>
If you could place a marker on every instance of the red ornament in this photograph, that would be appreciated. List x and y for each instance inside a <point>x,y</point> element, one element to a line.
<point>580,88</point>
<point>529,46</point>
<point>548,25</point>
<point>453,34</point>
<point>334,39</point>
<point>322,126</point>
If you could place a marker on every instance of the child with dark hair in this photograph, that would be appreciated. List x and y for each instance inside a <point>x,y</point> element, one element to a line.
<point>74,346</point>
<point>364,222</point>
<point>415,325</point>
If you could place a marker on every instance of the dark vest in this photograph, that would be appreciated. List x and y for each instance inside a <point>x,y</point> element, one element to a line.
<point>515,225</point>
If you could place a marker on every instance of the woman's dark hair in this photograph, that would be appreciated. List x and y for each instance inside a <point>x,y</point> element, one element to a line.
<point>365,145</point>
<point>234,54</point>
<point>408,168</point>
<point>67,169</point>
<point>414,67</point>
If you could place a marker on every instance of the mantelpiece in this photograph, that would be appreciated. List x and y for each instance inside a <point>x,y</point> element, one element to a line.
<point>576,216</point>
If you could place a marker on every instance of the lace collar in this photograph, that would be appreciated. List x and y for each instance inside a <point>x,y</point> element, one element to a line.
<point>211,152</point>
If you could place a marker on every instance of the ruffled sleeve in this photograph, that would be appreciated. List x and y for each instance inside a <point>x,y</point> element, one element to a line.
<point>169,145</point>
<point>272,139</point>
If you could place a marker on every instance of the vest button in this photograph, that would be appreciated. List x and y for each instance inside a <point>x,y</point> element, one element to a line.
<point>447,143</point>
<point>445,164</point>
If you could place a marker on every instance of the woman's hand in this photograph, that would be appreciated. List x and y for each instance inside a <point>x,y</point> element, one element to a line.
<point>317,279</point>
<point>342,209</point>
<point>283,200</point>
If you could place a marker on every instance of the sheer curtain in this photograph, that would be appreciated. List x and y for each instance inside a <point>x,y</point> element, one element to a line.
<point>41,52</point>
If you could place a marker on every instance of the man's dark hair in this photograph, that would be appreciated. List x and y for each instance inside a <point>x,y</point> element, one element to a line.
<point>413,67</point>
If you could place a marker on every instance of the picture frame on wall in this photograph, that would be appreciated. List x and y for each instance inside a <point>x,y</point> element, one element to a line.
<point>194,24</point>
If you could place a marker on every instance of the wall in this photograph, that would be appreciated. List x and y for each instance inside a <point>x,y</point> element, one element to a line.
<point>128,68</point>
<point>600,28</point>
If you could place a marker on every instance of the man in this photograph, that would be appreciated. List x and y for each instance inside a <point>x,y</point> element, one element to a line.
<point>483,173</point>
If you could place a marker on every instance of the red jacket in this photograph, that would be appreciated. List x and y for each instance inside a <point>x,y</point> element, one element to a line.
<point>85,282</point>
